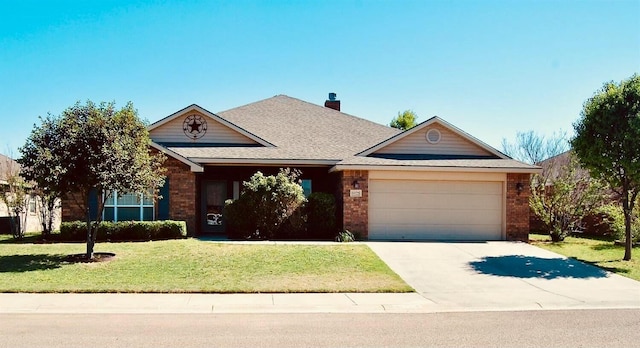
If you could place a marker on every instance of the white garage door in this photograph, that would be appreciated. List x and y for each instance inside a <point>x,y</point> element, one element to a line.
<point>435,210</point>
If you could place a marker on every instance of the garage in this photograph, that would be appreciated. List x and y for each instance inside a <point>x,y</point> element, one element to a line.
<point>436,209</point>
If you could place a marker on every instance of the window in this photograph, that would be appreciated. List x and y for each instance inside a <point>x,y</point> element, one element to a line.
<point>32,204</point>
<point>433,136</point>
<point>236,190</point>
<point>306,187</point>
<point>129,207</point>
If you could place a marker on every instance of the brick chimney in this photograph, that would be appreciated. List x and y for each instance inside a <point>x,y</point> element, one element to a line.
<point>332,102</point>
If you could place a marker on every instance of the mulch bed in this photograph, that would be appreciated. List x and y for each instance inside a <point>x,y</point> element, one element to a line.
<point>97,257</point>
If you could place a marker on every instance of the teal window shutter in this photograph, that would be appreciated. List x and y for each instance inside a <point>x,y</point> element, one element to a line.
<point>93,204</point>
<point>163,203</point>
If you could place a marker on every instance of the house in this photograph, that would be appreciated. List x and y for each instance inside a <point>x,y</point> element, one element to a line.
<point>30,218</point>
<point>432,182</point>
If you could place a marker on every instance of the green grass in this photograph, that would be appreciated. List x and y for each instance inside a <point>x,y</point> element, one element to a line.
<point>191,265</point>
<point>598,251</point>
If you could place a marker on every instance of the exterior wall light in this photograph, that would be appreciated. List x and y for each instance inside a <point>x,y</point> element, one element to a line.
<point>356,184</point>
<point>519,188</point>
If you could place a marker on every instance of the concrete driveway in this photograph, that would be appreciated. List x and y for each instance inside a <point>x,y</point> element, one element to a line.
<point>504,275</point>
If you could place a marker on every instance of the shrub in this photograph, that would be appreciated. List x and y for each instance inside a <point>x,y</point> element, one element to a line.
<point>345,237</point>
<point>295,226</point>
<point>264,205</point>
<point>76,231</point>
<point>241,223</point>
<point>613,220</point>
<point>321,215</point>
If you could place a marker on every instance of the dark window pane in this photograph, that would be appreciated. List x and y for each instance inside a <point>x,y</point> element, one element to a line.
<point>108,214</point>
<point>128,214</point>
<point>147,214</point>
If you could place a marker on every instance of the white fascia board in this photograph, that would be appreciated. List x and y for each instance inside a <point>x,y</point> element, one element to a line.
<point>262,161</point>
<point>195,167</point>
<point>339,168</point>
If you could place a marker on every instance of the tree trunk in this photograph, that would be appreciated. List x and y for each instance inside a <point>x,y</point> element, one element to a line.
<point>627,226</point>
<point>90,242</point>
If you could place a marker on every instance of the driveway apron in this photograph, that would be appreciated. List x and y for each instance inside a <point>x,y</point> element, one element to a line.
<point>504,275</point>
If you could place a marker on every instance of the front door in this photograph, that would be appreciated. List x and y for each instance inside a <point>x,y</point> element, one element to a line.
<point>214,193</point>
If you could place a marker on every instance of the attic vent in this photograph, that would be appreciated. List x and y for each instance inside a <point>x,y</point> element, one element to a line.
<point>433,136</point>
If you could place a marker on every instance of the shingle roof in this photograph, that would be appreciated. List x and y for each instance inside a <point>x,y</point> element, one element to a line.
<point>7,164</point>
<point>300,131</point>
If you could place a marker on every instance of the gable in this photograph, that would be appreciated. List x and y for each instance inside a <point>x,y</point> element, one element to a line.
<point>449,143</point>
<point>195,127</point>
<point>433,139</point>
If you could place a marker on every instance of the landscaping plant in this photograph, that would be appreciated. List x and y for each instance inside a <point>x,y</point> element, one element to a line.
<point>265,203</point>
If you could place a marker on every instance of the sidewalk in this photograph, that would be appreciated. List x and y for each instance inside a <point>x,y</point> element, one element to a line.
<point>254,303</point>
<point>214,303</point>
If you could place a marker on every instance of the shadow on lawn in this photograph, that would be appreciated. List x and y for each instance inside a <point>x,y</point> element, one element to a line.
<point>607,246</point>
<point>520,266</point>
<point>27,263</point>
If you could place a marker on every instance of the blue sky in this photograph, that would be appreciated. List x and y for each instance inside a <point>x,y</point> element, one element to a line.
<point>491,68</point>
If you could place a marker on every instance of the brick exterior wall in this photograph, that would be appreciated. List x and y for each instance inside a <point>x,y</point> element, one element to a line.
<point>70,210</point>
<point>355,210</point>
<point>183,203</point>
<point>518,207</point>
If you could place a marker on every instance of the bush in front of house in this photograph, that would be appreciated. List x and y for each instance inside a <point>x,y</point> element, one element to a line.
<point>123,231</point>
<point>345,237</point>
<point>241,223</point>
<point>321,215</point>
<point>264,205</point>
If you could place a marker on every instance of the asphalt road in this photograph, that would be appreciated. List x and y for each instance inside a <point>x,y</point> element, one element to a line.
<point>583,328</point>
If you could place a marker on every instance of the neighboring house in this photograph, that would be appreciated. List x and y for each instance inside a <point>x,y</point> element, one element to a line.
<point>432,182</point>
<point>31,216</point>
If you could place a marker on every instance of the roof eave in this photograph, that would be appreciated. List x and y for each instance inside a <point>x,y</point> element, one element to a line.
<point>195,167</point>
<point>342,167</point>
<point>263,161</point>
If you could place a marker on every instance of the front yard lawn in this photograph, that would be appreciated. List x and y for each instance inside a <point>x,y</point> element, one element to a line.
<point>598,251</point>
<point>191,265</point>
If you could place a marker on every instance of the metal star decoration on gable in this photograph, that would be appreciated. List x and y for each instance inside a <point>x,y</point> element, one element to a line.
<point>194,126</point>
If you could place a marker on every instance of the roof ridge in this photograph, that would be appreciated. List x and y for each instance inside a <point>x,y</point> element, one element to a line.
<point>251,103</point>
<point>311,104</point>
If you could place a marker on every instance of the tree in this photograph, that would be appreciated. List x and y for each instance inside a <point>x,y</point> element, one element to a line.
<point>563,194</point>
<point>92,147</point>
<point>606,142</point>
<point>405,120</point>
<point>14,194</point>
<point>532,148</point>
<point>48,204</point>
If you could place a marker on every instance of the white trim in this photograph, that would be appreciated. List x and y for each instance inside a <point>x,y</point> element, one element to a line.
<point>435,176</point>
<point>436,131</point>
<point>140,206</point>
<point>341,167</point>
<point>194,107</point>
<point>263,161</point>
<point>195,167</point>
<point>427,123</point>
